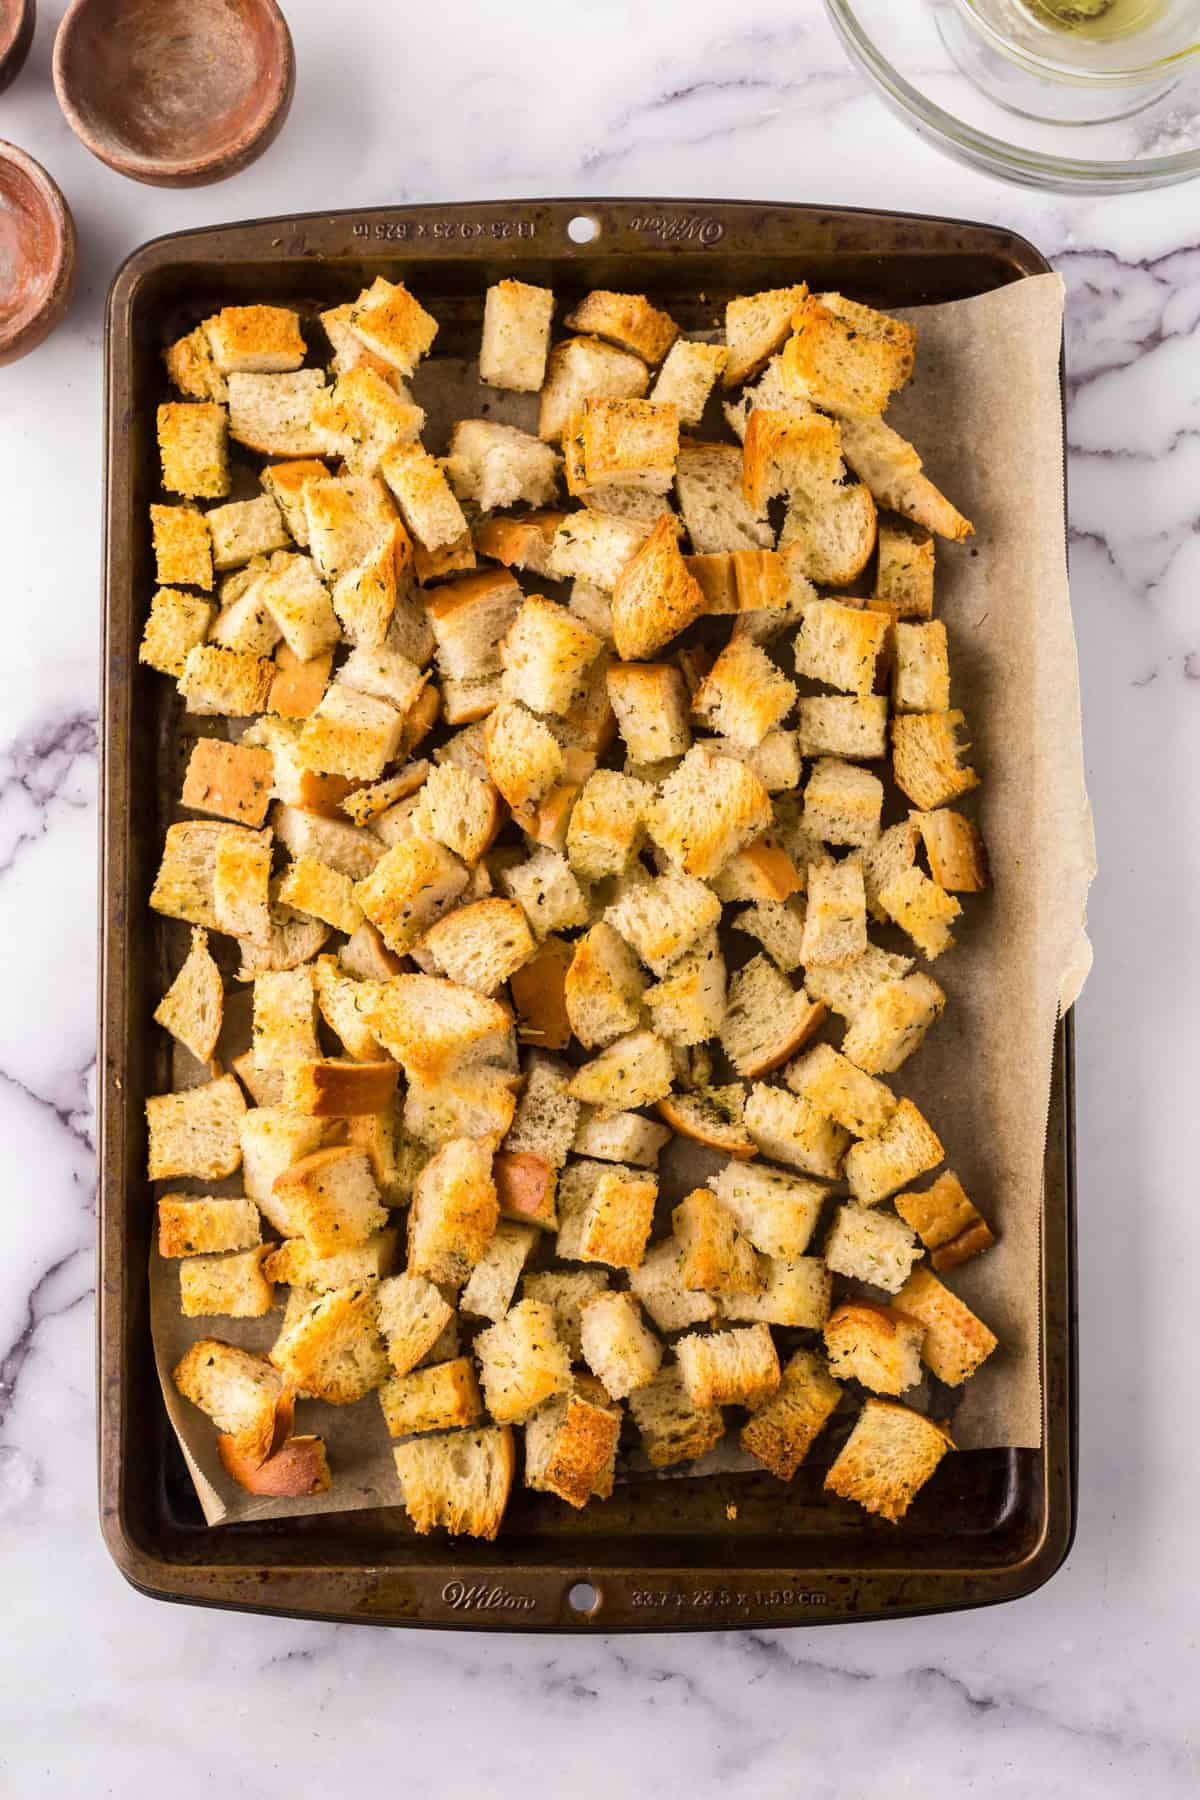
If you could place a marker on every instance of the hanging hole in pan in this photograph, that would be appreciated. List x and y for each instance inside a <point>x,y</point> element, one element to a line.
<point>583,229</point>
<point>583,1599</point>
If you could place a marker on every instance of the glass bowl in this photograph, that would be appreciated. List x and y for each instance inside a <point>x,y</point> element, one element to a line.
<point>951,74</point>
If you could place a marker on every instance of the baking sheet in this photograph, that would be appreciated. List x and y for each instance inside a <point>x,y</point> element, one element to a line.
<point>984,411</point>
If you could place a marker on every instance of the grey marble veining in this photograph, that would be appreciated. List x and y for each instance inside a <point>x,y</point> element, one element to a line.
<point>1089,1688</point>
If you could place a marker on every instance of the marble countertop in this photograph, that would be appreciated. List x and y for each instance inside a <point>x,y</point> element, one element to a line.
<point>1090,1687</point>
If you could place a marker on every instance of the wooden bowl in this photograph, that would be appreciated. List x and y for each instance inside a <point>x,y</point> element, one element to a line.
<point>37,254</point>
<point>17,18</point>
<point>175,93</point>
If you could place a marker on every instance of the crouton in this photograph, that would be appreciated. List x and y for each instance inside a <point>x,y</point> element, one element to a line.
<point>756,325</point>
<point>779,927</point>
<point>183,887</point>
<point>459,1482</point>
<point>957,858</point>
<point>658,1285</point>
<point>516,336</point>
<point>634,1071</point>
<point>271,1141</point>
<point>714,1257</point>
<point>717,576</point>
<point>921,669</point>
<point>244,529</point>
<point>229,780</point>
<point>297,1263</point>
<point>843,804</point>
<point>775,1210</point>
<point>618,1347</point>
<point>412,1315</point>
<point>729,1368</point>
<point>707,810</point>
<point>888,1458</point>
<point>603,988</point>
<point>261,339</point>
<point>922,909</point>
<point>393,325</point>
<point>272,413</point>
<point>479,946</point>
<point>766,1019</point>
<point>925,758</point>
<point>947,1223</point>
<point>711,1116</point>
<point>955,1341</point>
<point>546,1115</point>
<point>242,1394</point>
<point>454,1212</point>
<point>232,1286</point>
<point>654,596</point>
<point>523,543</point>
<point>523,756</point>
<point>744,695</point>
<point>650,702</point>
<point>850,726</point>
<point>498,466</point>
<point>313,887</point>
<point>891,1023</point>
<point>570,1445</point>
<point>564,1291</point>
<point>488,1294</point>
<point>285,482</point>
<point>521,1362</point>
<point>891,856</point>
<point>366,957</point>
<point>214,680</point>
<point>842,1092</point>
<point>871,1246</point>
<point>191,367</point>
<point>762,871</point>
<point>593,546</point>
<point>196,1132</point>
<point>835,924</point>
<point>606,1211</point>
<point>190,1226</point>
<point>906,1147</point>
<point>333,1350</point>
<point>592,607</point>
<point>470,1102</point>
<point>193,1006</point>
<point>241,883</point>
<point>788,1129</point>
<point>607,824</point>
<point>363,416</point>
<point>410,887</point>
<point>284,1023</point>
<point>581,368</point>
<point>546,889</point>
<point>780,1433</point>
<point>688,376</point>
<point>904,573</point>
<point>193,441</point>
<point>424,496</point>
<point>624,1137</point>
<point>177,623</point>
<point>842,366</point>
<point>627,320</point>
<point>436,1398</point>
<point>664,917</point>
<point>891,468</point>
<point>182,546</point>
<point>672,1429</point>
<point>840,645</point>
<point>688,1005</point>
<point>786,452</point>
<point>330,841</point>
<point>331,1199</point>
<point>538,991</point>
<point>433,1026</point>
<point>776,760</point>
<point>795,1293</point>
<point>298,1469</point>
<point>621,444</point>
<point>346,517</point>
<point>338,1088</point>
<point>546,655</point>
<point>879,1346</point>
<point>364,597</point>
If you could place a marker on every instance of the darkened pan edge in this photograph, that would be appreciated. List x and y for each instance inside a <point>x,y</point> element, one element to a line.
<point>1008,1524</point>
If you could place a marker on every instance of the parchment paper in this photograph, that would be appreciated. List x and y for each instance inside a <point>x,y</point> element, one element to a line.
<point>984,411</point>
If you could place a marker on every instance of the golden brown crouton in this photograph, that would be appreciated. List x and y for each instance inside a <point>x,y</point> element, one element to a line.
<point>522,1363</point>
<point>956,1342</point>
<point>454,1212</point>
<point>947,1223</point>
<point>877,1345</point>
<point>232,781</point>
<point>570,1444</point>
<point>241,1393</point>
<point>618,1347</point>
<point>781,1432</point>
<point>925,758</point>
<point>516,336</point>
<point>176,624</point>
<point>842,1092</point>
<point>713,1255</point>
<point>905,1148</point>
<point>182,546</point>
<point>755,327</point>
<point>233,1286</point>
<point>194,1005</point>
<point>833,363</point>
<point>655,597</point>
<point>459,1482</point>
<point>331,1199</point>
<point>957,858</point>
<point>196,1132</point>
<point>333,1350</point>
<point>432,1399</point>
<point>193,439</point>
<point>729,1368</point>
<point>888,1457</point>
<point>191,1226</point>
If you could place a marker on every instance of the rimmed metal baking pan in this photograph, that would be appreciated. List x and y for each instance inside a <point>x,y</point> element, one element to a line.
<point>661,1554</point>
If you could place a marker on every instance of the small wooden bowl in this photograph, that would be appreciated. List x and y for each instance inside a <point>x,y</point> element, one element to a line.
<point>175,93</point>
<point>37,254</point>
<point>17,18</point>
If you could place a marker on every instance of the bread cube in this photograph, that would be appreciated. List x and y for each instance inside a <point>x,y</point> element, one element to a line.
<point>242,1394</point>
<point>571,1445</point>
<point>714,1257</point>
<point>196,1132</point>
<point>233,1285</point>
<point>393,325</point>
<point>176,624</point>
<point>261,338</point>
<point>762,871</point>
<point>214,680</point>
<point>655,597</point>
<point>841,364</point>
<point>182,546</point>
<point>190,1226</point>
<point>922,909</point>
<point>890,856</point>
<point>516,336</point>
<point>891,1023</point>
<point>193,441</point>
<point>946,1221</point>
<point>766,1019</point>
<point>843,725</point>
<point>521,1362</point>
<point>671,1428</point>
<point>921,670</point>
<point>424,496</point>
<point>603,988</point>
<point>711,1116</point>
<point>273,413</point>
<point>780,1433</point>
<point>904,575</point>
<point>835,924</point>
<point>905,1148</point>
<point>688,376</point>
<point>790,1130</point>
<point>658,1284</point>
<point>957,857</point>
<point>363,416</point>
<point>346,517</point>
<point>284,1021</point>
<point>436,1398</point>
<point>755,328</point>
<point>412,1315</point>
<point>459,1482</point>
<point>888,1458</point>
<point>497,465</point>
<point>778,926</point>
<point>744,694</point>
<point>580,368</point>
<point>618,1347</point>
<point>634,1071</point>
<point>606,1212</point>
<point>337,1088</point>
<point>480,945</point>
<point>410,887</point>
<point>840,645</point>
<point>193,1007</point>
<point>794,1292</point>
<point>523,756</point>
<point>729,1368</point>
<point>871,1246</point>
<point>331,841</point>
<point>688,1005</point>
<point>651,705</point>
<point>707,810</point>
<point>956,1342</point>
<point>843,804</point>
<point>433,1026</point>
<point>880,1346</point>
<point>546,1114</point>
<point>775,1210</point>
<point>842,1092</point>
<point>925,758</point>
<point>564,1291</point>
<point>241,884</point>
<point>297,1263</point>
<point>454,1212</point>
<point>333,1351</point>
<point>607,824</point>
<point>191,367</point>
<point>331,1199</point>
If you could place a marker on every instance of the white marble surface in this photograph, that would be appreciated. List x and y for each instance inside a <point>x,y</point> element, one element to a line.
<point>1089,1688</point>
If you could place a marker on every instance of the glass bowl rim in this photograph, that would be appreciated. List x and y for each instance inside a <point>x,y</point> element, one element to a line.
<point>1079,74</point>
